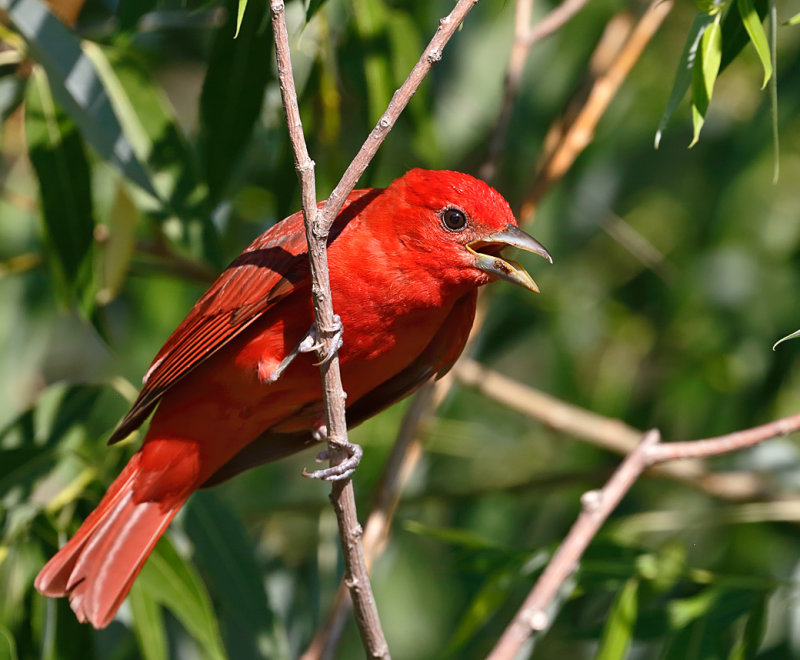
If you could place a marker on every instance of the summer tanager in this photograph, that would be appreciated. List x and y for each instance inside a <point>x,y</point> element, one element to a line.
<point>233,388</point>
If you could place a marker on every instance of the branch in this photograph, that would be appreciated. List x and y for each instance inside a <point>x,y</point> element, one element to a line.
<point>525,37</point>
<point>342,495</point>
<point>605,432</point>
<point>432,54</point>
<point>597,506</point>
<point>567,138</point>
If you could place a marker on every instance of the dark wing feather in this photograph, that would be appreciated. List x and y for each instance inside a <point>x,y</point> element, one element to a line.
<point>273,266</point>
<point>436,360</point>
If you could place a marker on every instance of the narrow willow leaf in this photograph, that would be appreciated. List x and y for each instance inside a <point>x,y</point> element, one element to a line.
<point>794,335</point>
<point>683,76</point>
<point>794,20</point>
<point>148,624</point>
<point>226,556</point>
<point>171,580</point>
<point>239,17</point>
<point>705,75</point>
<point>313,8</point>
<point>773,91</point>
<point>734,34</point>
<point>746,645</point>
<point>58,158</point>
<point>76,86</point>
<point>618,631</point>
<point>752,23</point>
<point>8,648</point>
<point>232,95</point>
<point>371,22</point>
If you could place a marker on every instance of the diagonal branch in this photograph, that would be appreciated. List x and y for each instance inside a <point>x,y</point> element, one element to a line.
<point>597,505</point>
<point>432,54</point>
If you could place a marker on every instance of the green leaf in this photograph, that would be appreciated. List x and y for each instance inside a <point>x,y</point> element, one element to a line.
<point>747,644</point>
<point>240,16</point>
<point>618,631</point>
<point>371,24</point>
<point>682,612</point>
<point>8,647</point>
<point>56,152</point>
<point>457,537</point>
<point>172,581</point>
<point>23,466</point>
<point>148,624</point>
<point>734,34</point>
<point>794,20</point>
<point>232,94</point>
<point>705,75</point>
<point>683,76</point>
<point>149,118</point>
<point>226,556</point>
<point>313,7</point>
<point>76,86</point>
<point>773,91</point>
<point>484,605</point>
<point>116,252</point>
<point>794,335</point>
<point>752,23</point>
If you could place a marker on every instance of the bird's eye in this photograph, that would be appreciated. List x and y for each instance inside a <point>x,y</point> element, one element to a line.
<point>454,219</point>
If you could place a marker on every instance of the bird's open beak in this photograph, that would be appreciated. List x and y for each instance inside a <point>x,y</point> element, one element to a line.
<point>487,255</point>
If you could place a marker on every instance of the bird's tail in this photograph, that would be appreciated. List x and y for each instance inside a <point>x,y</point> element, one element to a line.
<point>98,565</point>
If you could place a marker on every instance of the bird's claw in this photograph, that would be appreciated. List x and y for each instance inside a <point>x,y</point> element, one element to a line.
<point>340,471</point>
<point>335,343</point>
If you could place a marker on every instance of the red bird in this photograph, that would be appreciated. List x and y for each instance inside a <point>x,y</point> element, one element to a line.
<point>233,388</point>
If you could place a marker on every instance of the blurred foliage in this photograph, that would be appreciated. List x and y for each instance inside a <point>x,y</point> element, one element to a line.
<point>146,148</point>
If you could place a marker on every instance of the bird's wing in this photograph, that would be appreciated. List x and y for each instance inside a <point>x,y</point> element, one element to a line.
<point>273,266</point>
<point>436,360</point>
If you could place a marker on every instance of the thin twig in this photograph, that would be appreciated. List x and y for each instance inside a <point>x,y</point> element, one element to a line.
<point>605,432</point>
<point>598,505</point>
<point>432,54</point>
<point>525,36</point>
<point>342,495</point>
<point>579,133</point>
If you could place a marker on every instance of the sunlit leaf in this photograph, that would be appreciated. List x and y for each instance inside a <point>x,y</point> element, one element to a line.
<point>618,631</point>
<point>794,20</point>
<point>773,91</point>
<point>683,76</point>
<point>705,75</point>
<point>240,17</point>
<point>794,335</point>
<point>76,85</point>
<point>752,23</point>
<point>171,580</point>
<point>148,624</point>
<point>734,34</point>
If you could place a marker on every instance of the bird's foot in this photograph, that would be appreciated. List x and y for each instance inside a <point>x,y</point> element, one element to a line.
<point>308,344</point>
<point>335,333</point>
<point>340,471</point>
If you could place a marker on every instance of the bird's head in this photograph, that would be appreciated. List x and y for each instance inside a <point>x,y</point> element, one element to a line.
<point>461,225</point>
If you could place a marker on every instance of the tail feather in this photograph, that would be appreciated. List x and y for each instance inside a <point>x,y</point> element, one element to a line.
<point>97,567</point>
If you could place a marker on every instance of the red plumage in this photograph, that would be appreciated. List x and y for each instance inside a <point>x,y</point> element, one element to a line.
<point>404,280</point>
